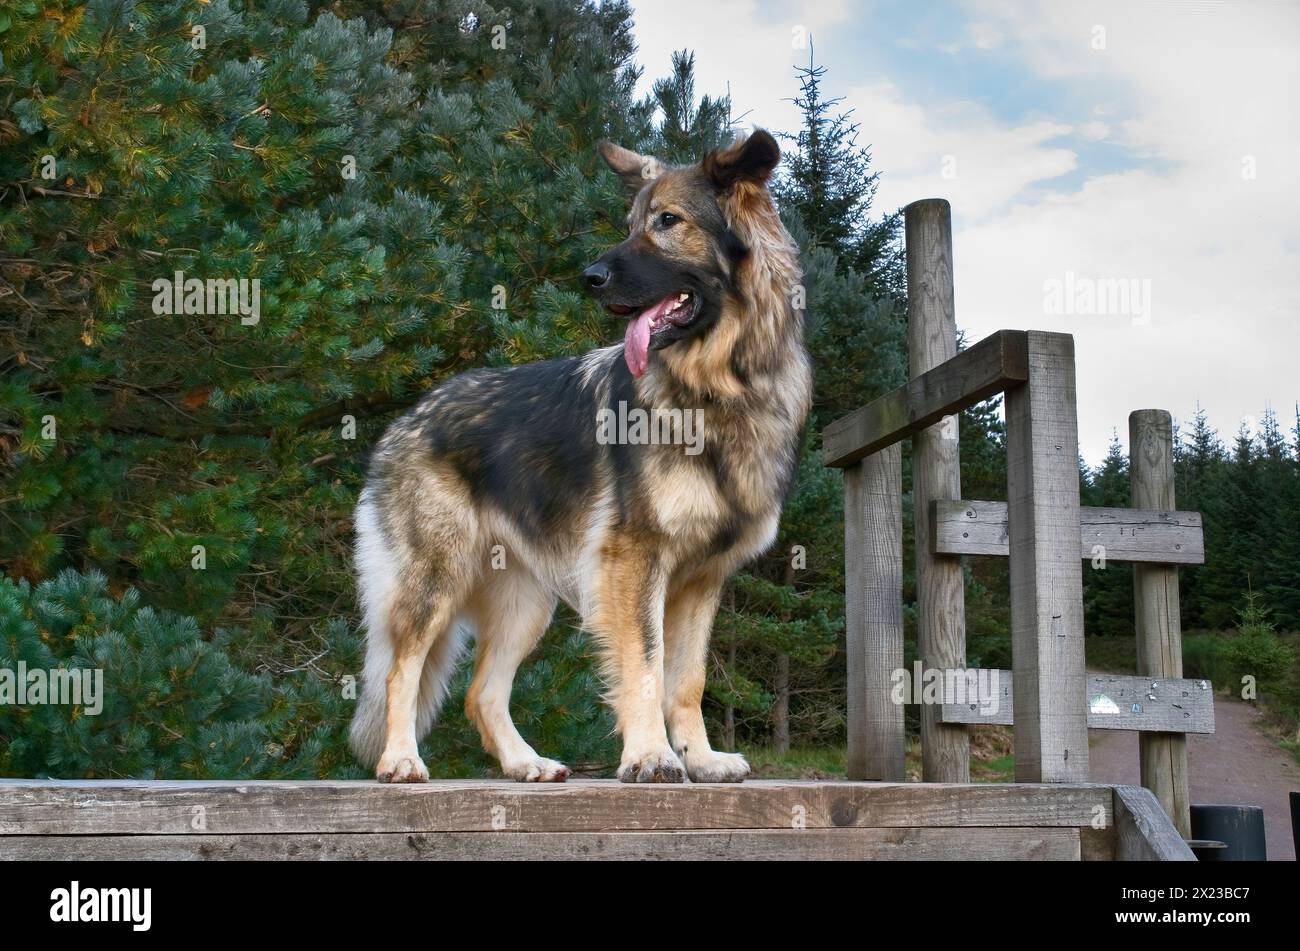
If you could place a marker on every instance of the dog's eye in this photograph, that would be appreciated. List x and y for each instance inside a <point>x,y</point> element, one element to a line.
<point>668,219</point>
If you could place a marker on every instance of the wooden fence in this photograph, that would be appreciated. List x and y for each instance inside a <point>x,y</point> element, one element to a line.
<point>1041,528</point>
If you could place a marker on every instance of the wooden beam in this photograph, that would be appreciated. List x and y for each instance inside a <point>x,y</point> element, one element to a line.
<point>1156,609</point>
<point>1144,832</point>
<point>934,844</point>
<point>873,604</point>
<point>130,807</point>
<point>936,474</point>
<point>1163,537</point>
<point>986,369</point>
<point>1113,702</point>
<point>1051,736</point>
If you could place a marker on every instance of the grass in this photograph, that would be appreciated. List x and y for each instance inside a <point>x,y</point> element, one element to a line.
<point>991,759</point>
<point>802,762</point>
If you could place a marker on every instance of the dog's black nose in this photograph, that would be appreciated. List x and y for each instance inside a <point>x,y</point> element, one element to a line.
<point>596,276</point>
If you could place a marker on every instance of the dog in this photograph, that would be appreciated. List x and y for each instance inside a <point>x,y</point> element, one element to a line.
<point>496,495</point>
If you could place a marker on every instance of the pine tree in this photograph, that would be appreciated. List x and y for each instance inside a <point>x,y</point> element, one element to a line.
<point>1108,586</point>
<point>829,183</point>
<point>687,129</point>
<point>1199,461</point>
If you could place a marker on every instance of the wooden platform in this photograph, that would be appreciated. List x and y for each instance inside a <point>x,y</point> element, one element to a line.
<point>599,819</point>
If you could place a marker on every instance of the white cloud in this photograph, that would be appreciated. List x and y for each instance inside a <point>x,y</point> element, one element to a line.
<point>738,42</point>
<point>1205,88</point>
<point>1094,130</point>
<point>954,150</point>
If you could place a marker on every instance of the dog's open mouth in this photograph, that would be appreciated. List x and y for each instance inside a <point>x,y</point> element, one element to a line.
<point>678,309</point>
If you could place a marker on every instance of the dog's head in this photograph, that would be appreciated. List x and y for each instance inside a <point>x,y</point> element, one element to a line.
<point>675,271</point>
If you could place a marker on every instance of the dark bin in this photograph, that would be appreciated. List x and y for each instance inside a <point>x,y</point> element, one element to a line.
<point>1239,828</point>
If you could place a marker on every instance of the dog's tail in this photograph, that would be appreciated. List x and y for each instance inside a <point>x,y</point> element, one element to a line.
<point>378,572</point>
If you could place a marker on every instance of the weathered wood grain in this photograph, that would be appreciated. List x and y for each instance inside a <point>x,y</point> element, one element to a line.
<point>98,807</point>
<point>1051,736</point>
<point>936,474</point>
<point>873,607</point>
<point>1097,845</point>
<point>955,844</point>
<point>1143,830</point>
<point>1113,702</point>
<point>1140,535</point>
<point>984,370</point>
<point>1156,610</point>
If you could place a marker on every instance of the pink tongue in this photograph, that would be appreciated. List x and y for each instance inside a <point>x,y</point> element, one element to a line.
<point>636,342</point>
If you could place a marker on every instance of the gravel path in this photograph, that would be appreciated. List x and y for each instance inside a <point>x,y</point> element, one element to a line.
<point>1238,764</point>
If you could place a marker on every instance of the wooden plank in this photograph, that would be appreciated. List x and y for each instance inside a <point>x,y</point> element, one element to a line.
<point>984,370</point>
<point>936,474</point>
<point>1113,702</point>
<point>1097,845</point>
<point>1143,831</point>
<point>1156,609</point>
<point>102,807</point>
<point>873,604</point>
<point>1051,736</point>
<point>957,844</point>
<point>1145,535</point>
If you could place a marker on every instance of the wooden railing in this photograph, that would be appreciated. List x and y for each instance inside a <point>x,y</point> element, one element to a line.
<point>1042,529</point>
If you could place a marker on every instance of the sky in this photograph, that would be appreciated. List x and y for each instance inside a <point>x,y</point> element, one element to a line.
<point>1124,172</point>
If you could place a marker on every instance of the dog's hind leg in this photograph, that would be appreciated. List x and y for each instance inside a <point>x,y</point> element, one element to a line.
<point>416,622</point>
<point>688,620</point>
<point>416,558</point>
<point>510,612</point>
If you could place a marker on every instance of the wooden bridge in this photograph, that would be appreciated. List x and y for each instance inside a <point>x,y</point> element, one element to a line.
<point>1052,811</point>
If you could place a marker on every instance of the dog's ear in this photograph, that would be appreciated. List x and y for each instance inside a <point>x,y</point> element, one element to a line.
<point>634,169</point>
<point>750,159</point>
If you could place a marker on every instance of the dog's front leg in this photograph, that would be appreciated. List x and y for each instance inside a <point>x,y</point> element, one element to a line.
<point>688,621</point>
<point>628,620</point>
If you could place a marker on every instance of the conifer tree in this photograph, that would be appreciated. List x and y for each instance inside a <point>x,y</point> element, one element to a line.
<point>1108,586</point>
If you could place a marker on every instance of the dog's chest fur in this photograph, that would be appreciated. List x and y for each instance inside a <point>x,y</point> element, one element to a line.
<point>728,497</point>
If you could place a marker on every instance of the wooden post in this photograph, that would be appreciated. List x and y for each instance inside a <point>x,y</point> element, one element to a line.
<point>1051,729</point>
<point>936,474</point>
<point>873,600</point>
<point>1159,624</point>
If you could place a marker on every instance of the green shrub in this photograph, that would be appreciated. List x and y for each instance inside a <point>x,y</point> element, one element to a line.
<point>1256,650</point>
<point>172,703</point>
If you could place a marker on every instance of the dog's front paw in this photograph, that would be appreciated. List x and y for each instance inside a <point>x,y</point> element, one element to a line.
<point>655,766</point>
<point>713,767</point>
<point>401,768</point>
<point>537,770</point>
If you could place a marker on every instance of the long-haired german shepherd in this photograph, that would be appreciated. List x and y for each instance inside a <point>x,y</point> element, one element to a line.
<point>496,495</point>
